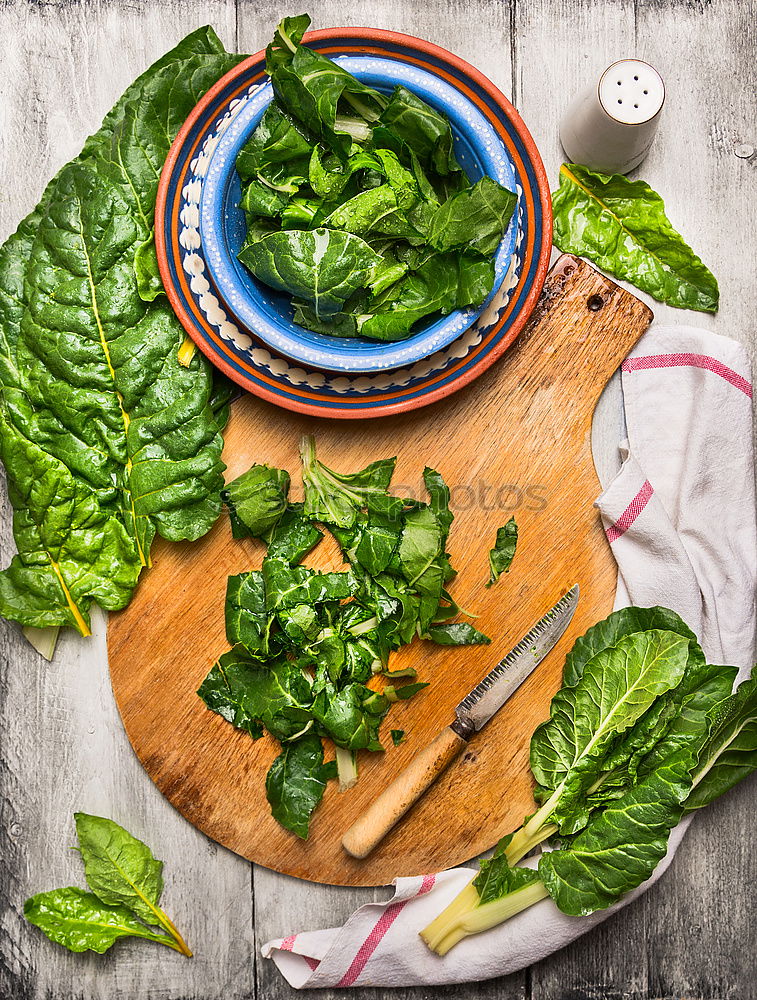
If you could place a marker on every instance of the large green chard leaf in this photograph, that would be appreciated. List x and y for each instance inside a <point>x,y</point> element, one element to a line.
<point>296,782</point>
<point>105,437</point>
<point>620,623</point>
<point>621,845</point>
<point>621,225</point>
<point>616,688</point>
<point>730,753</point>
<point>79,921</point>
<point>120,870</point>
<point>323,266</point>
<point>678,718</point>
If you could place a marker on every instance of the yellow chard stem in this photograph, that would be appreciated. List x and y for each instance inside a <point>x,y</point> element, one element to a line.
<point>465,915</point>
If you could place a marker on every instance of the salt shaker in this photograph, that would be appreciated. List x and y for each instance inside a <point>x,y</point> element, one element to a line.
<point>610,125</point>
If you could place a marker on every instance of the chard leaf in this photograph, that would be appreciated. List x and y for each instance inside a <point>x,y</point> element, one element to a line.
<point>421,553</point>
<point>497,879</point>
<point>95,408</point>
<point>336,497</point>
<point>371,212</point>
<point>421,129</point>
<point>248,621</point>
<point>616,688</point>
<point>275,141</point>
<point>287,585</point>
<point>256,500</point>
<point>501,556</point>
<point>404,693</point>
<point>293,536</point>
<point>120,870</point>
<point>296,782</point>
<point>456,634</point>
<point>439,493</point>
<point>79,921</point>
<point>730,753</point>
<point>620,623</point>
<point>398,609</point>
<point>398,736</point>
<point>322,266</point>
<point>343,716</point>
<point>621,845</point>
<point>621,225</point>
<point>429,289</point>
<point>278,695</point>
<point>225,689</point>
<point>309,86</point>
<point>375,545</point>
<point>260,199</point>
<point>475,219</point>
<point>475,279</point>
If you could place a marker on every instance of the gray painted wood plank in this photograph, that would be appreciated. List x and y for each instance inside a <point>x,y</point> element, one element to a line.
<point>62,744</point>
<point>703,914</point>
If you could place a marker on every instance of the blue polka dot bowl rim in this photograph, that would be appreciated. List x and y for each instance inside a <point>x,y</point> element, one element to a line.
<point>266,313</point>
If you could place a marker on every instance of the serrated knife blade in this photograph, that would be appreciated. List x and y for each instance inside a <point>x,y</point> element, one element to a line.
<point>487,697</point>
<point>471,715</point>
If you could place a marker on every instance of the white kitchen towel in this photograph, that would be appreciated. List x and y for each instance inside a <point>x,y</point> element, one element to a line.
<point>680,517</point>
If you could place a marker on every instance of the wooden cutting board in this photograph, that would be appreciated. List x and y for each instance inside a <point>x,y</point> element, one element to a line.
<point>516,441</point>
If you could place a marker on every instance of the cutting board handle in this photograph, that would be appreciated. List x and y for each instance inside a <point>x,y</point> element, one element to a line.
<point>581,330</point>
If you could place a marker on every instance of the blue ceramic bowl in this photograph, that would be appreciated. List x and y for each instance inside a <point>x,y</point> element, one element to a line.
<point>266,313</point>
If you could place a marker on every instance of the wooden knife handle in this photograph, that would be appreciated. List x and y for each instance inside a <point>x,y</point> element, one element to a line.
<point>404,791</point>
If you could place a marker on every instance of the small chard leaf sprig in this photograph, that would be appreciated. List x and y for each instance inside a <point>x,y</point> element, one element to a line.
<point>501,556</point>
<point>621,225</point>
<point>126,884</point>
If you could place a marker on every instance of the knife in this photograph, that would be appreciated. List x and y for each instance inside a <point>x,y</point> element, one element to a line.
<point>471,715</point>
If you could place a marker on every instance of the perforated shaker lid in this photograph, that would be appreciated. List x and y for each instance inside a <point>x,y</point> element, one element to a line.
<point>631,91</point>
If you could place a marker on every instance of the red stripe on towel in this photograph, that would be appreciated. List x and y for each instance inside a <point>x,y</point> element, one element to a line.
<point>632,511</point>
<point>380,928</point>
<point>288,944</point>
<point>689,361</point>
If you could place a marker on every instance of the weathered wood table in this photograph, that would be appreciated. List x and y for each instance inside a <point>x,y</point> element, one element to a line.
<point>62,746</point>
